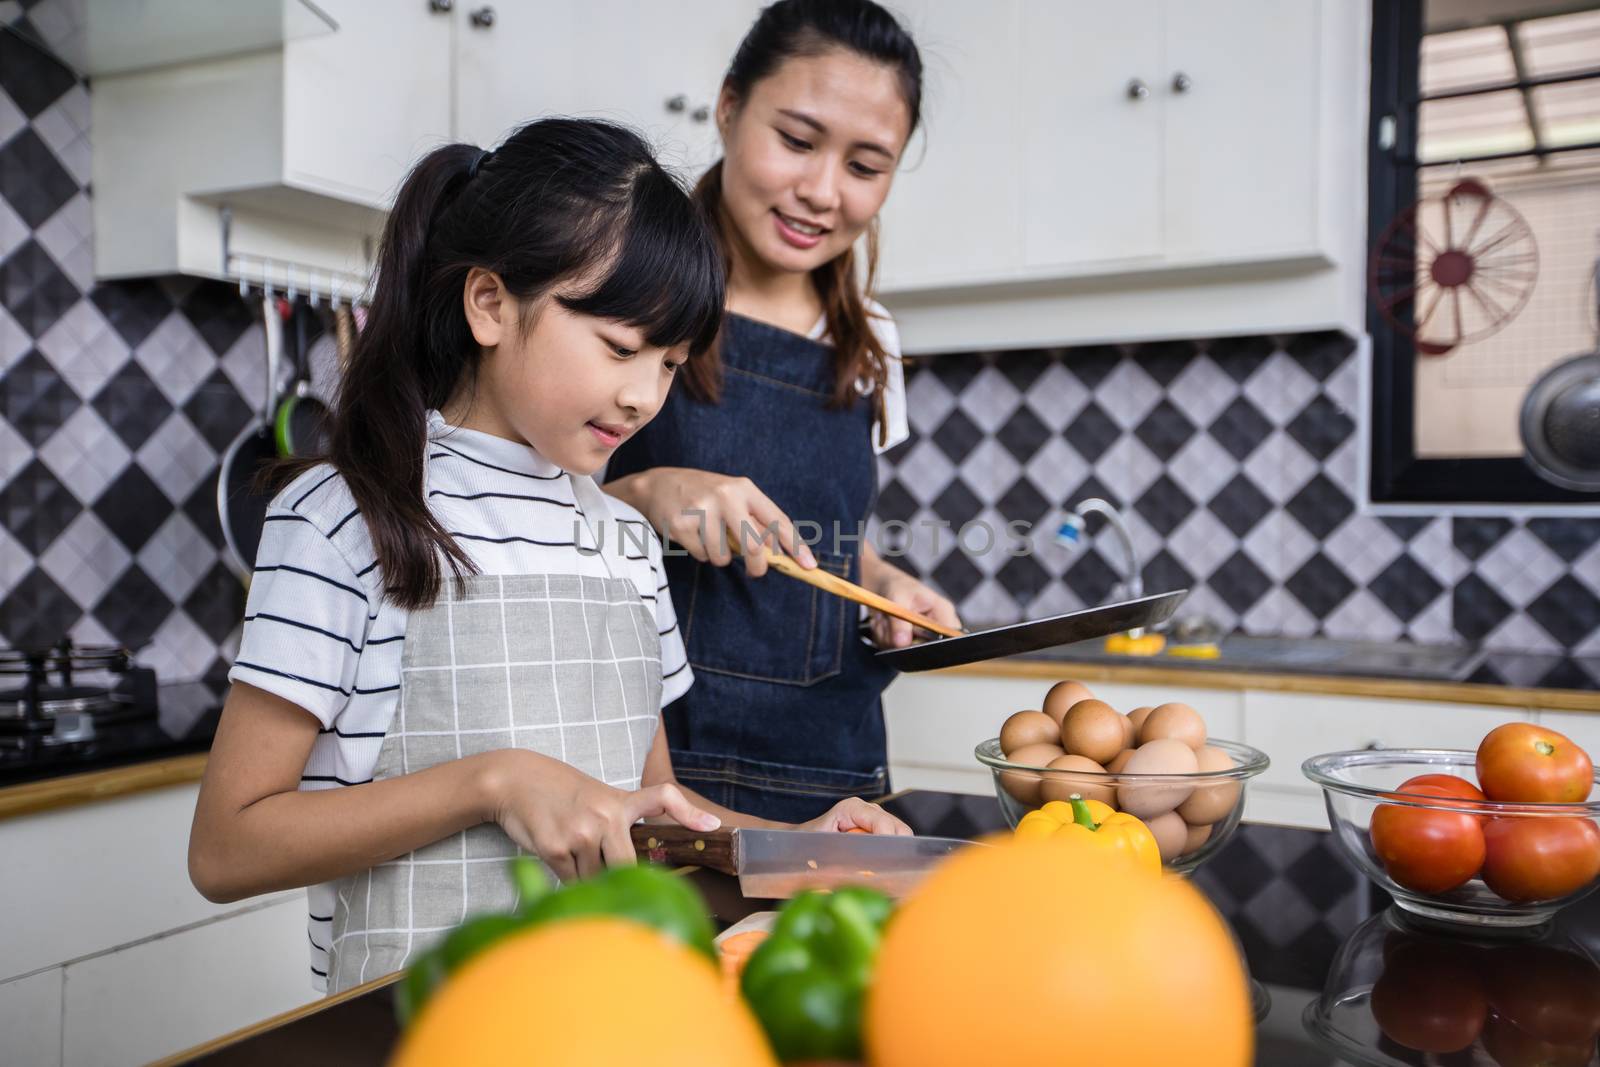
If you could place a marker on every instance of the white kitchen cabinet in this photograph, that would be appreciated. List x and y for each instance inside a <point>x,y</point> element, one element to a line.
<point>957,192</point>
<point>30,1019</point>
<point>1240,179</point>
<point>1154,135</point>
<point>622,60</point>
<point>1063,211</point>
<point>1092,159</point>
<point>119,957</point>
<point>289,153</point>
<point>362,104</point>
<point>173,992</point>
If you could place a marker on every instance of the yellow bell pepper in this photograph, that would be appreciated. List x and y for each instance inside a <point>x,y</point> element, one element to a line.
<point>1096,823</point>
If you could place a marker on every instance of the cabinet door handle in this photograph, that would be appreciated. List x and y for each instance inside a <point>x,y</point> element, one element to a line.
<point>441,7</point>
<point>678,103</point>
<point>1373,746</point>
<point>1137,89</point>
<point>483,17</point>
<point>1181,82</point>
<point>700,114</point>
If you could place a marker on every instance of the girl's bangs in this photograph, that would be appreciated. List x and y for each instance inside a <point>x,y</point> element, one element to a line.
<point>665,276</point>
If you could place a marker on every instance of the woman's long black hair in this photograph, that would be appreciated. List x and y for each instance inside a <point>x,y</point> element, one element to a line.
<point>559,200</point>
<point>785,30</point>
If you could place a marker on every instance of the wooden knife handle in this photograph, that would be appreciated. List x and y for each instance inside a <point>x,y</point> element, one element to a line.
<point>678,845</point>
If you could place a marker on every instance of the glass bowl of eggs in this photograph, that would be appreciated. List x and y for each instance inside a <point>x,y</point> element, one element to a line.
<point>1155,763</point>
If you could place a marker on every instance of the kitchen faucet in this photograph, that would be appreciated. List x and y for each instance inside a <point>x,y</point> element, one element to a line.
<point>1074,531</point>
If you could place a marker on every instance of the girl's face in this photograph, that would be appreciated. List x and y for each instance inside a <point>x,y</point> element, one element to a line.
<point>809,156</point>
<point>572,386</point>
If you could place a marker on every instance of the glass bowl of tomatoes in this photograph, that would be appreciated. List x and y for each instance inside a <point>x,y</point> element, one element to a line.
<point>1416,824</point>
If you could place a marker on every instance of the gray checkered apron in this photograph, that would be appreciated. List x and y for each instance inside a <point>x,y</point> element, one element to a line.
<point>563,664</point>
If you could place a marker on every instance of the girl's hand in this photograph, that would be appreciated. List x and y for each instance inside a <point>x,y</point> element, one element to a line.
<point>898,586</point>
<point>702,510</point>
<point>855,813</point>
<point>574,823</point>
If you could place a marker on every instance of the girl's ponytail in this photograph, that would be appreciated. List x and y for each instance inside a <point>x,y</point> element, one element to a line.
<point>379,437</point>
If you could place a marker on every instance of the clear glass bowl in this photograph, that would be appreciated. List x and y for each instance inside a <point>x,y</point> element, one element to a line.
<point>1356,784</point>
<point>1022,788</point>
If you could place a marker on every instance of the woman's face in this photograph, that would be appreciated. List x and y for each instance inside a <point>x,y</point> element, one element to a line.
<point>573,386</point>
<point>809,156</point>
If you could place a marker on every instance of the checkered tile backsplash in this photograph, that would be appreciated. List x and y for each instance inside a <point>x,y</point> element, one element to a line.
<point>116,401</point>
<point>1236,464</point>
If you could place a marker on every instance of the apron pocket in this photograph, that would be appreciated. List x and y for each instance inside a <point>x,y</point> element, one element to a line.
<point>771,629</point>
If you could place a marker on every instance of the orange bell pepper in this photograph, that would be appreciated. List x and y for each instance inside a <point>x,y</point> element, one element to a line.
<point>1095,823</point>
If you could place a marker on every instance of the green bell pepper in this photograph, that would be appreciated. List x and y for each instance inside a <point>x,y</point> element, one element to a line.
<point>807,980</point>
<point>645,893</point>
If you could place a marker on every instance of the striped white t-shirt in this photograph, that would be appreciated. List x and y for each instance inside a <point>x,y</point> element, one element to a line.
<point>320,633</point>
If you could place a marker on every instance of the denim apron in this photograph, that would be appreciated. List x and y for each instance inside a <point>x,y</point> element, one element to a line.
<point>784,717</point>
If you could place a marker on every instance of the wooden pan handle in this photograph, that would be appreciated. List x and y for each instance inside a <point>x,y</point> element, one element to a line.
<point>829,582</point>
<point>680,846</point>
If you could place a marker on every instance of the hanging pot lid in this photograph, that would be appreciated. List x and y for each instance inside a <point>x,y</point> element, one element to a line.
<point>1561,424</point>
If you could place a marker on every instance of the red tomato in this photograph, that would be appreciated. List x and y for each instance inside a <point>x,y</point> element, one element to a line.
<point>1428,851</point>
<point>1429,998</point>
<point>1533,857</point>
<point>1453,786</point>
<point>1512,1047</point>
<point>1545,992</point>
<point>1523,762</point>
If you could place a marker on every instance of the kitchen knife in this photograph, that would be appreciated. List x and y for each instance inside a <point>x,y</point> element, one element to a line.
<point>777,864</point>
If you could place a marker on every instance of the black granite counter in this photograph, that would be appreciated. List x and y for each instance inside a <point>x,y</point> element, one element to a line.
<point>1321,942</point>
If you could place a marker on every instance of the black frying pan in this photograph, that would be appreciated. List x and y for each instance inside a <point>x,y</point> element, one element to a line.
<point>300,426</point>
<point>1074,626</point>
<point>241,505</point>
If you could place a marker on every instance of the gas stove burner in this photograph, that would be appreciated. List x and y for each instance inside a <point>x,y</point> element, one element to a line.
<point>63,659</point>
<point>67,690</point>
<point>54,701</point>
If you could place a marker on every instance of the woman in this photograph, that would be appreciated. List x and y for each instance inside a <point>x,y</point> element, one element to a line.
<point>785,718</point>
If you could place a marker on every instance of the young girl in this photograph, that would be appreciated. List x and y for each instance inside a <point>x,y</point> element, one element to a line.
<point>448,657</point>
<point>785,719</point>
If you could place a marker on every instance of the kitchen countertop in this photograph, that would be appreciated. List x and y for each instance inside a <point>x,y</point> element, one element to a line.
<point>1309,925</point>
<point>1397,670</point>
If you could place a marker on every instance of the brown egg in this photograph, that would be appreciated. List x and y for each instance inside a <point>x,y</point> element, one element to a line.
<point>1137,716</point>
<point>1130,733</point>
<point>1063,788</point>
<point>1174,720</point>
<point>1170,832</point>
<point>1164,755</point>
<point>1210,803</point>
<point>1092,728</point>
<point>1119,761</point>
<point>1197,836</point>
<point>1062,696</point>
<point>1025,787</point>
<point>1028,728</point>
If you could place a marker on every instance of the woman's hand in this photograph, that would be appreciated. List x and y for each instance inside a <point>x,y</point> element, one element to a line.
<point>701,510</point>
<point>895,584</point>
<point>575,823</point>
<point>855,813</point>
